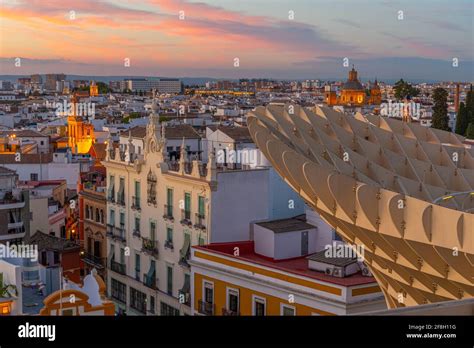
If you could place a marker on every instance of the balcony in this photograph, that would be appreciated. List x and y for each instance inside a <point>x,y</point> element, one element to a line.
<point>111,197</point>
<point>206,308</point>
<point>96,261</point>
<point>136,233</point>
<point>183,261</point>
<point>169,244</point>
<point>118,267</point>
<point>110,230</point>
<point>199,222</point>
<point>150,246</point>
<point>136,203</point>
<point>117,233</point>
<point>186,218</point>
<point>121,199</point>
<point>150,282</point>
<point>228,313</point>
<point>168,213</point>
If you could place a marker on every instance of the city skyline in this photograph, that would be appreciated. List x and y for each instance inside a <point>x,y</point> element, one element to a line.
<point>287,41</point>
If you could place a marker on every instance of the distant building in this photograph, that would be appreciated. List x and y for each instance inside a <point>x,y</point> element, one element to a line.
<point>353,93</point>
<point>165,85</point>
<point>51,80</point>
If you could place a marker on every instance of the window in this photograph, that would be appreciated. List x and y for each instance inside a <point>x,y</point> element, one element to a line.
<point>87,211</point>
<point>97,215</point>
<point>119,290</point>
<point>169,235</point>
<point>137,224</point>
<point>201,206</point>
<point>137,266</point>
<point>286,310</point>
<point>167,310</point>
<point>137,300</point>
<point>34,177</point>
<point>233,300</point>
<point>208,292</point>
<point>152,304</point>
<point>136,199</point>
<point>102,216</point>
<point>112,217</point>
<point>259,305</point>
<point>122,220</point>
<point>187,206</point>
<point>151,190</point>
<point>153,230</point>
<point>169,287</point>
<point>169,201</point>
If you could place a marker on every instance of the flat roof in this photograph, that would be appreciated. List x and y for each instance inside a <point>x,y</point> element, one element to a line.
<point>297,266</point>
<point>286,225</point>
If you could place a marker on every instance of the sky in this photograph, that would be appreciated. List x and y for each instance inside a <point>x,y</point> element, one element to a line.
<point>281,39</point>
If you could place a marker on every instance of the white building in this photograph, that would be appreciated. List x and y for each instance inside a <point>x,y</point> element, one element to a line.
<point>156,212</point>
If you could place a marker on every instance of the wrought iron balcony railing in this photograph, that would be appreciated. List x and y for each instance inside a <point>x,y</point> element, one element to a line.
<point>168,212</point>
<point>118,267</point>
<point>199,222</point>
<point>136,203</point>
<point>186,217</point>
<point>206,308</point>
<point>150,246</point>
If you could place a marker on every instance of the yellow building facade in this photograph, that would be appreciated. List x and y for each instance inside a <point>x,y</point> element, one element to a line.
<point>249,285</point>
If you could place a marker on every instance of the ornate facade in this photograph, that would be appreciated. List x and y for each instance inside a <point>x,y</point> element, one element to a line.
<point>353,93</point>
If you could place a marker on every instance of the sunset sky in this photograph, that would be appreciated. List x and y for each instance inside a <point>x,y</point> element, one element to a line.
<point>258,32</point>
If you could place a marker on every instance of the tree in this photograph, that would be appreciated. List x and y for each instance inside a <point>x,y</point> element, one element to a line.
<point>103,88</point>
<point>403,90</point>
<point>470,105</point>
<point>470,131</point>
<point>440,109</point>
<point>462,119</point>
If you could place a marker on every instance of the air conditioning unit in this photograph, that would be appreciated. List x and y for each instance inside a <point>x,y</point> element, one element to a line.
<point>366,272</point>
<point>329,271</point>
<point>336,272</point>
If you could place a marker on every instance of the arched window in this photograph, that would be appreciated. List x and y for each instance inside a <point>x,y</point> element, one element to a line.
<point>97,216</point>
<point>102,216</point>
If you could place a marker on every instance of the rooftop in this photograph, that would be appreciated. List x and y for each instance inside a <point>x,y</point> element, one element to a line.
<point>298,266</point>
<point>47,242</point>
<point>286,225</point>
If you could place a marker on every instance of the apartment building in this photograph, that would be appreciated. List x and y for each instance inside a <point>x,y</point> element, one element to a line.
<point>92,220</point>
<point>14,208</point>
<point>284,270</point>
<point>156,212</point>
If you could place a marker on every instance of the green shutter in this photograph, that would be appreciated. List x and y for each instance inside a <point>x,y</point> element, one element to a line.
<point>201,205</point>
<point>170,197</point>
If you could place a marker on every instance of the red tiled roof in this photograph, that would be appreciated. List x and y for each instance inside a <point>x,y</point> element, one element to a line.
<point>298,266</point>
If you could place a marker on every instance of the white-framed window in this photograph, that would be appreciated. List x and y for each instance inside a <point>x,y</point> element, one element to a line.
<point>259,306</point>
<point>232,300</point>
<point>287,310</point>
<point>208,291</point>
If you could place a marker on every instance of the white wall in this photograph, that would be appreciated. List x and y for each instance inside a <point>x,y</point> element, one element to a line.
<point>264,241</point>
<point>288,244</point>
<point>325,232</point>
<point>241,197</point>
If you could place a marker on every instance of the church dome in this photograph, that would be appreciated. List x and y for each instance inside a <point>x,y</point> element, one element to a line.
<point>353,85</point>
